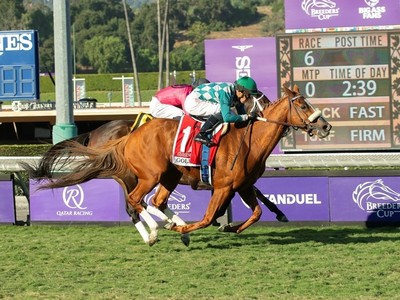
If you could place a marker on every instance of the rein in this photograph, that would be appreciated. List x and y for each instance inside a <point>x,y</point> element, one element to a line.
<point>306,123</point>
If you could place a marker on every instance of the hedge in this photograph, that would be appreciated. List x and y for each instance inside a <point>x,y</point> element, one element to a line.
<point>105,82</point>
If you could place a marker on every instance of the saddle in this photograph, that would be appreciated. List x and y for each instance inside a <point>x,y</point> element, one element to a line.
<point>189,153</point>
<point>140,120</point>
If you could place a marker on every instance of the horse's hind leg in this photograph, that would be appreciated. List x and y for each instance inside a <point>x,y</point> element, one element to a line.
<point>135,201</point>
<point>249,196</point>
<point>128,184</point>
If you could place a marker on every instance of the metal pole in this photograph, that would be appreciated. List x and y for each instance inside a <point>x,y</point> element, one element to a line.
<point>64,127</point>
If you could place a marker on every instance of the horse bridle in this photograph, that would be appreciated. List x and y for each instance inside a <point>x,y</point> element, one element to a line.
<point>307,124</point>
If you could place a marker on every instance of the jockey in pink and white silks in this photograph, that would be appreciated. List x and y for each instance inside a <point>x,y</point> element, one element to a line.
<point>167,102</point>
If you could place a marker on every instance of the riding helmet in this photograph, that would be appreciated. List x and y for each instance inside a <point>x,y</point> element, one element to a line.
<point>246,84</point>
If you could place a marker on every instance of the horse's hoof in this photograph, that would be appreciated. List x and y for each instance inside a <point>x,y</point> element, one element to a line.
<point>225,228</point>
<point>153,238</point>
<point>169,226</point>
<point>185,238</point>
<point>282,218</point>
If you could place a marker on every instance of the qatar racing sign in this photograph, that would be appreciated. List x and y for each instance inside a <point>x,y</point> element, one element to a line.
<point>98,200</point>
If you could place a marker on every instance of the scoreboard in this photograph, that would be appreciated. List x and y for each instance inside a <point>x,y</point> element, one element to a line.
<point>354,78</point>
<point>19,65</point>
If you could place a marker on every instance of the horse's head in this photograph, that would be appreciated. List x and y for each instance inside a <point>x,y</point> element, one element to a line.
<point>303,115</point>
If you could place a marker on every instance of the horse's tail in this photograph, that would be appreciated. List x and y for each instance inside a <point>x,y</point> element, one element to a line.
<point>43,168</point>
<point>85,163</point>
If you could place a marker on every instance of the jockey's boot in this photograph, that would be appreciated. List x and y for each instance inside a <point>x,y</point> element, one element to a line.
<point>206,130</point>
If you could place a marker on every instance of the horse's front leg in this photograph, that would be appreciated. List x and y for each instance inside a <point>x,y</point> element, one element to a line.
<point>218,201</point>
<point>249,197</point>
<point>159,201</point>
<point>280,216</point>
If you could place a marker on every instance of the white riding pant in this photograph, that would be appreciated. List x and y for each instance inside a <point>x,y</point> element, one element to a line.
<point>197,107</point>
<point>160,110</point>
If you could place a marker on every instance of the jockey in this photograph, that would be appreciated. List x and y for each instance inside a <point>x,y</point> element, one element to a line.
<point>168,102</point>
<point>215,100</point>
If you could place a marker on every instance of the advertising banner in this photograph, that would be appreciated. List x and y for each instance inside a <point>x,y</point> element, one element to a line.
<point>128,91</point>
<point>7,202</point>
<point>336,15</point>
<point>97,200</point>
<point>229,59</point>
<point>299,198</point>
<point>366,199</point>
<point>103,200</point>
<point>79,88</point>
<point>188,204</point>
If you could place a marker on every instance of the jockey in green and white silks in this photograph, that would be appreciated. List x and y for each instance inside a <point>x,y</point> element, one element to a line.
<point>216,100</point>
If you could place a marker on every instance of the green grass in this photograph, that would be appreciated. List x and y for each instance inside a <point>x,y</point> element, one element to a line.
<point>96,262</point>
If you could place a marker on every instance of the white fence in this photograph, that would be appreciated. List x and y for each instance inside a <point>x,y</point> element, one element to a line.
<point>324,160</point>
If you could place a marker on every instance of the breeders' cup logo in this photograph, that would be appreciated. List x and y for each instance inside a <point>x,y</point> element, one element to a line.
<point>242,48</point>
<point>178,205</point>
<point>73,197</point>
<point>372,11</point>
<point>375,196</point>
<point>321,9</point>
<point>371,3</point>
<point>242,63</point>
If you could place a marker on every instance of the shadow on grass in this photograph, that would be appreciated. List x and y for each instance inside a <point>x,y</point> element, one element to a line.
<point>323,235</point>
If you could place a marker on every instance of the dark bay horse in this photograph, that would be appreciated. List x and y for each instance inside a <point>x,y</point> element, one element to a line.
<point>147,151</point>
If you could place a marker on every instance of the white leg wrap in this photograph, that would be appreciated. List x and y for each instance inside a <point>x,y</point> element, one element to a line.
<point>177,220</point>
<point>143,232</point>
<point>158,213</point>
<point>149,220</point>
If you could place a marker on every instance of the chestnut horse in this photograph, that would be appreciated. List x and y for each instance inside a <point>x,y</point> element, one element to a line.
<point>118,128</point>
<point>147,152</point>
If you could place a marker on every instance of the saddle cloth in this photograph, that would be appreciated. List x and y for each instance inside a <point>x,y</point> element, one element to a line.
<point>186,152</point>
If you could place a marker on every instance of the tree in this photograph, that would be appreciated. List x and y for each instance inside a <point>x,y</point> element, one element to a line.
<point>11,14</point>
<point>40,17</point>
<point>105,53</point>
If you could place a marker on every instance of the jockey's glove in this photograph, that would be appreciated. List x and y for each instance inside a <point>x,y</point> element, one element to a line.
<point>252,116</point>
<point>244,117</point>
